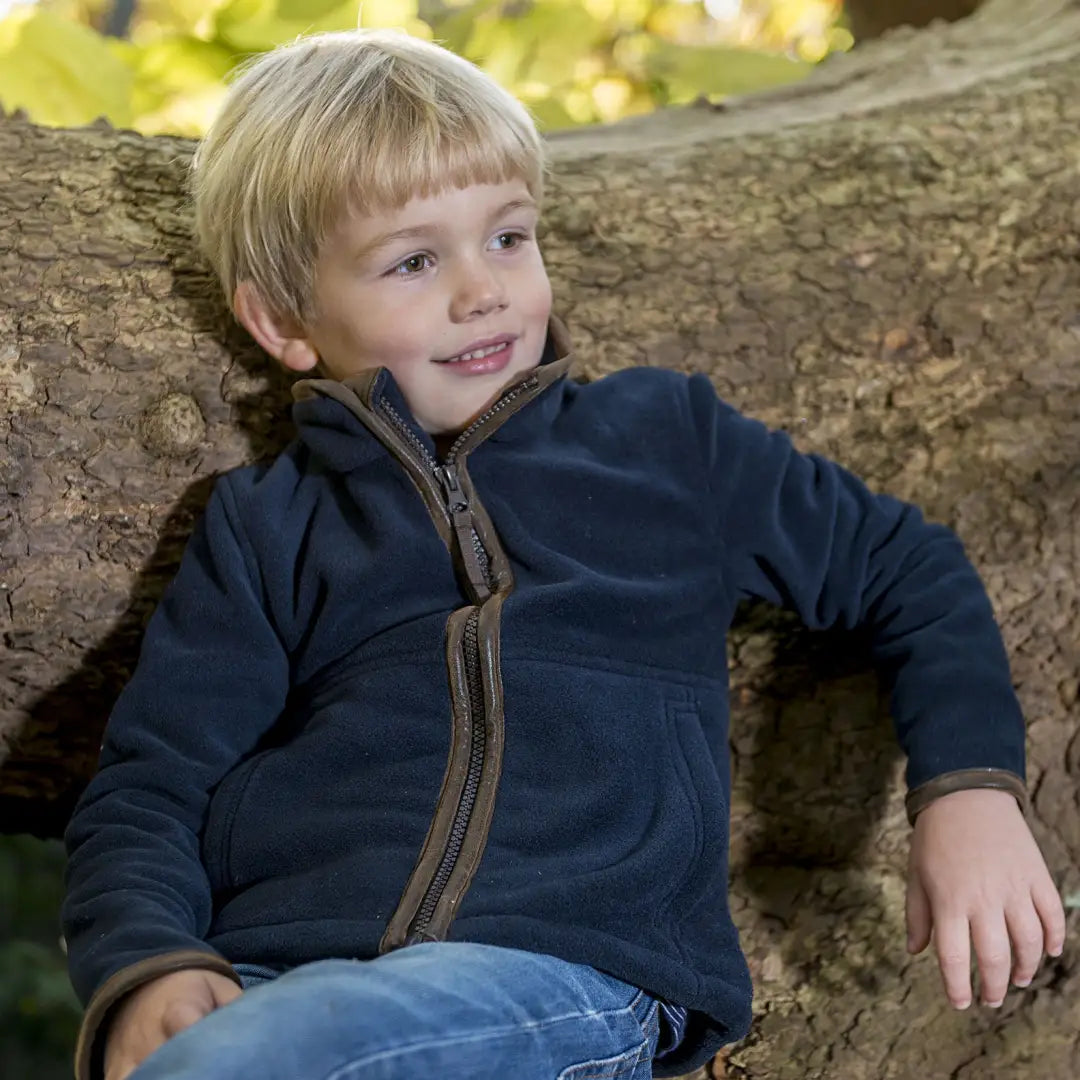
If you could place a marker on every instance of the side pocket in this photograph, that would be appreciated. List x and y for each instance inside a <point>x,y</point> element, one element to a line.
<point>684,722</point>
<point>707,794</point>
<point>217,831</point>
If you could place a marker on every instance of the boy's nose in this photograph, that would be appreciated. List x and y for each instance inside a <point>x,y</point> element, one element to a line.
<point>480,291</point>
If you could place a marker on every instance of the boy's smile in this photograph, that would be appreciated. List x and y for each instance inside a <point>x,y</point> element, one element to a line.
<point>449,293</point>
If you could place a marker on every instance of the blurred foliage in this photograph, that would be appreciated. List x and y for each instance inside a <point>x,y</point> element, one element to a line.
<point>39,1014</point>
<point>572,61</point>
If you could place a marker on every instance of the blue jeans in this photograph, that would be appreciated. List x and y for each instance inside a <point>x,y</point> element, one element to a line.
<point>451,1010</point>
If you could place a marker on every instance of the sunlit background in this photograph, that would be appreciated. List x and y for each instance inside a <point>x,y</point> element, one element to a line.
<point>159,66</point>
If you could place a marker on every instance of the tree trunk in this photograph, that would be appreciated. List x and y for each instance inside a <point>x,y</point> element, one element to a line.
<point>871,18</point>
<point>885,260</point>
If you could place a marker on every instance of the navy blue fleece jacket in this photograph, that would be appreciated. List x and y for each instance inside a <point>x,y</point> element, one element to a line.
<point>270,772</point>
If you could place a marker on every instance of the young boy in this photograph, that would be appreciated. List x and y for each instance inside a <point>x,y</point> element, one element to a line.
<point>426,747</point>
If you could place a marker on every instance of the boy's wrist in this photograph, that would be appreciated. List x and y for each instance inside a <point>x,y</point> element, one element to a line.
<point>89,1047</point>
<point>919,798</point>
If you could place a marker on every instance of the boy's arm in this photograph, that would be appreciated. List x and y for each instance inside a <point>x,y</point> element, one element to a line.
<point>212,677</point>
<point>802,532</point>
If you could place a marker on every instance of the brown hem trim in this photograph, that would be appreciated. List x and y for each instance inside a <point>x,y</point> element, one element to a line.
<point>89,1047</point>
<point>921,797</point>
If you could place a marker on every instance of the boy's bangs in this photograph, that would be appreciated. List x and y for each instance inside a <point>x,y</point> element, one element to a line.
<point>385,178</point>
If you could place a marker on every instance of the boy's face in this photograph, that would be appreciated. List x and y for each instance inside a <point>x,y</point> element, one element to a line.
<point>468,271</point>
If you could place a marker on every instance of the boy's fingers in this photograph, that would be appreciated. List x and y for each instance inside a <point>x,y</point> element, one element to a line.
<point>1051,914</point>
<point>1026,935</point>
<point>991,938</point>
<point>953,947</point>
<point>919,917</point>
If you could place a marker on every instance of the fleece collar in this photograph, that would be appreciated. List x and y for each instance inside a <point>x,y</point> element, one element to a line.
<point>324,410</point>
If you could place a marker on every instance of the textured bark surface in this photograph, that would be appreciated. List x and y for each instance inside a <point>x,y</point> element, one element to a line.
<point>897,283</point>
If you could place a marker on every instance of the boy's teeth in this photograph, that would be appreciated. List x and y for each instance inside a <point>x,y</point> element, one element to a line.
<point>476,354</point>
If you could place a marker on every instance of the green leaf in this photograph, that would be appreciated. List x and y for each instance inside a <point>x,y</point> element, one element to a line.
<point>499,49</point>
<point>180,63</point>
<point>171,75</point>
<point>61,72</point>
<point>558,35</point>
<point>256,25</point>
<point>691,70</point>
<point>551,114</point>
<point>305,9</point>
<point>454,27</point>
<point>383,14</point>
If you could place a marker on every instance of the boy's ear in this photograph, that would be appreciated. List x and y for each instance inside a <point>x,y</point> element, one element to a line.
<point>281,337</point>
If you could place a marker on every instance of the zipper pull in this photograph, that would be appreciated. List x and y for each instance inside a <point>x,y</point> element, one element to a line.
<point>451,486</point>
<point>461,518</point>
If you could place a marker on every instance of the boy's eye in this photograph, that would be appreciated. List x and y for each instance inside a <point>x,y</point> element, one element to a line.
<point>516,237</point>
<point>410,266</point>
<point>416,264</point>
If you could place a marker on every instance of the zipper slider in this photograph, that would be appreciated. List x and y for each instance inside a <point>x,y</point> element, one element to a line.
<point>457,503</point>
<point>452,494</point>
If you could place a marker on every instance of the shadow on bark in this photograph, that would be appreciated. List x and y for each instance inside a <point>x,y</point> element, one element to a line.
<point>70,718</point>
<point>814,760</point>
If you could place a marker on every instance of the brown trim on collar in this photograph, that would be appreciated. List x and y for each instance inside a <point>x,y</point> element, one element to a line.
<point>355,395</point>
<point>362,383</point>
<point>921,797</point>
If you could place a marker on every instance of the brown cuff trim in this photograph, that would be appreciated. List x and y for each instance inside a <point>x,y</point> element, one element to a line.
<point>962,780</point>
<point>89,1048</point>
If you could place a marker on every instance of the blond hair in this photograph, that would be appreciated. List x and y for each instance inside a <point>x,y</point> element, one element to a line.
<point>357,121</point>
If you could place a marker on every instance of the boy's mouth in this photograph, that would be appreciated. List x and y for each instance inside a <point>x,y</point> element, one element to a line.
<point>480,350</point>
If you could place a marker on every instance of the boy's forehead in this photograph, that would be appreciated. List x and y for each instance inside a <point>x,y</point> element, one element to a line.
<point>373,225</point>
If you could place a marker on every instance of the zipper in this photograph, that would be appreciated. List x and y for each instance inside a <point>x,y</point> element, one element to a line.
<point>419,925</point>
<point>451,455</point>
<point>473,556</point>
<point>477,566</point>
<point>456,503</point>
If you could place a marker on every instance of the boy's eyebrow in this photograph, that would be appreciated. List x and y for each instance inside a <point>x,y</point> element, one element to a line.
<point>382,240</point>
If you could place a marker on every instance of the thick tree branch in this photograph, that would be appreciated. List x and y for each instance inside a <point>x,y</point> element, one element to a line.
<point>885,260</point>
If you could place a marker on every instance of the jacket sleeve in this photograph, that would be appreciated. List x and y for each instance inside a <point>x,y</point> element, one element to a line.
<point>212,677</point>
<point>802,532</point>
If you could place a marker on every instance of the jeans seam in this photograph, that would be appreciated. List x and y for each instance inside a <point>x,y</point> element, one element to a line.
<point>343,1071</point>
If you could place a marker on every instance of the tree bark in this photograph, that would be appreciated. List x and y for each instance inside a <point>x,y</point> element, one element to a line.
<point>885,260</point>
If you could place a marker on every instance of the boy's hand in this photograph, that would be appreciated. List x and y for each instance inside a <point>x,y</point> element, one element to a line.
<point>975,868</point>
<point>158,1010</point>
